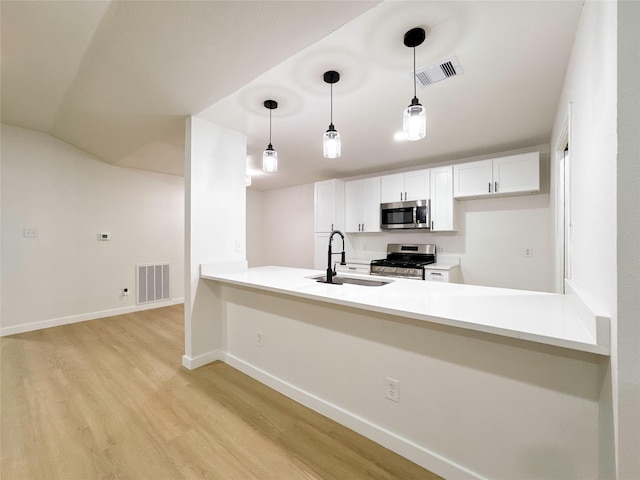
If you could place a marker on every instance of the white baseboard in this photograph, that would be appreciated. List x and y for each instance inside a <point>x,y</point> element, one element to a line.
<point>195,362</point>
<point>402,446</point>
<point>56,322</point>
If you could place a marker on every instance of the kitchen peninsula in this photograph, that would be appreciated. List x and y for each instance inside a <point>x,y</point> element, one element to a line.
<point>546,318</point>
<point>463,358</point>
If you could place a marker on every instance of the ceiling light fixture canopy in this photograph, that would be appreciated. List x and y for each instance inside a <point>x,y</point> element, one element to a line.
<point>270,156</point>
<point>414,118</point>
<point>331,145</point>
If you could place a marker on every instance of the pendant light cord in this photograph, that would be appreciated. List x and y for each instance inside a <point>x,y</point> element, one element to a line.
<point>414,72</point>
<point>331,108</point>
<point>269,126</point>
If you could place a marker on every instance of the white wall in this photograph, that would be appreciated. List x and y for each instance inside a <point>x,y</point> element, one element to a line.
<point>470,405</point>
<point>287,226</point>
<point>628,189</point>
<point>600,102</point>
<point>66,274</point>
<point>589,94</point>
<point>215,212</point>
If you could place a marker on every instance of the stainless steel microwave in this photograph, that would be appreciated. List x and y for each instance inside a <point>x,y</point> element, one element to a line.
<point>413,214</point>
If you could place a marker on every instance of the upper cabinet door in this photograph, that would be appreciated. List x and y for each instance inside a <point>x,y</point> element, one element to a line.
<point>329,205</point>
<point>363,205</point>
<point>370,206</point>
<point>401,187</point>
<point>517,173</point>
<point>473,178</point>
<point>392,188</point>
<point>512,175</point>
<point>416,185</point>
<point>442,199</point>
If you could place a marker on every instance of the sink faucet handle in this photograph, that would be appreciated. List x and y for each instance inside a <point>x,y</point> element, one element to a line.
<point>342,259</point>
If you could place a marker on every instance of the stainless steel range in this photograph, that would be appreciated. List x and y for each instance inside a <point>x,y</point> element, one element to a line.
<point>405,260</point>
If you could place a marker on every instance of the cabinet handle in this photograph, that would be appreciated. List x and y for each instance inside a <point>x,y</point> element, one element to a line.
<point>495,187</point>
<point>431,224</point>
<point>405,196</point>
<point>363,227</point>
<point>489,187</point>
<point>400,196</point>
<point>332,227</point>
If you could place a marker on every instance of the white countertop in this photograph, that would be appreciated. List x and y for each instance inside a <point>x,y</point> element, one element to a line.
<point>546,318</point>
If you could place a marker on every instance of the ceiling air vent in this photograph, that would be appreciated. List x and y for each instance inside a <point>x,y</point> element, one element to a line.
<point>439,71</point>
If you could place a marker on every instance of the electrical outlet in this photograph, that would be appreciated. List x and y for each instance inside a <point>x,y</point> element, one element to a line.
<point>259,339</point>
<point>527,252</point>
<point>393,389</point>
<point>125,292</point>
<point>30,233</point>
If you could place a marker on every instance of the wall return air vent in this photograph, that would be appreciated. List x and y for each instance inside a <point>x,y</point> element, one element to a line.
<point>439,71</point>
<point>154,283</point>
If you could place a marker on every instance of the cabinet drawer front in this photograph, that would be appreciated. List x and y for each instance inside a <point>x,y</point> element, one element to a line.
<point>436,276</point>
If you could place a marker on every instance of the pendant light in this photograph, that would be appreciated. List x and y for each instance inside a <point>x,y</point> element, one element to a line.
<point>270,156</point>
<point>331,139</point>
<point>414,119</point>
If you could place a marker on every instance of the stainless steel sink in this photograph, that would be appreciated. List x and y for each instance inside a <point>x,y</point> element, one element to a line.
<point>339,280</point>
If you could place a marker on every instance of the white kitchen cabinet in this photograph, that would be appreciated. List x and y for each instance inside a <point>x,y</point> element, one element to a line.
<point>517,173</point>
<point>451,275</point>
<point>511,175</point>
<point>321,250</point>
<point>362,205</point>
<point>441,186</point>
<point>401,187</point>
<point>329,205</point>
<point>358,268</point>
<point>473,178</point>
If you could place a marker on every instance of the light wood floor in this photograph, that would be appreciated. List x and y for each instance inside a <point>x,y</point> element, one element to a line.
<point>109,399</point>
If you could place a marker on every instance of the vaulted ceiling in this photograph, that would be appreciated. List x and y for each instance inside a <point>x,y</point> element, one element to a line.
<point>118,78</point>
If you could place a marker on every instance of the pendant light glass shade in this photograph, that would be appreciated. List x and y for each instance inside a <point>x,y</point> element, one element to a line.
<point>331,145</point>
<point>414,117</point>
<point>270,160</point>
<point>414,121</point>
<point>270,156</point>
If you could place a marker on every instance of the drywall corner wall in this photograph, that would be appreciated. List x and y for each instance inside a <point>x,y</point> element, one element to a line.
<point>600,102</point>
<point>589,99</point>
<point>66,274</point>
<point>287,222</point>
<point>215,212</point>
<point>628,228</point>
